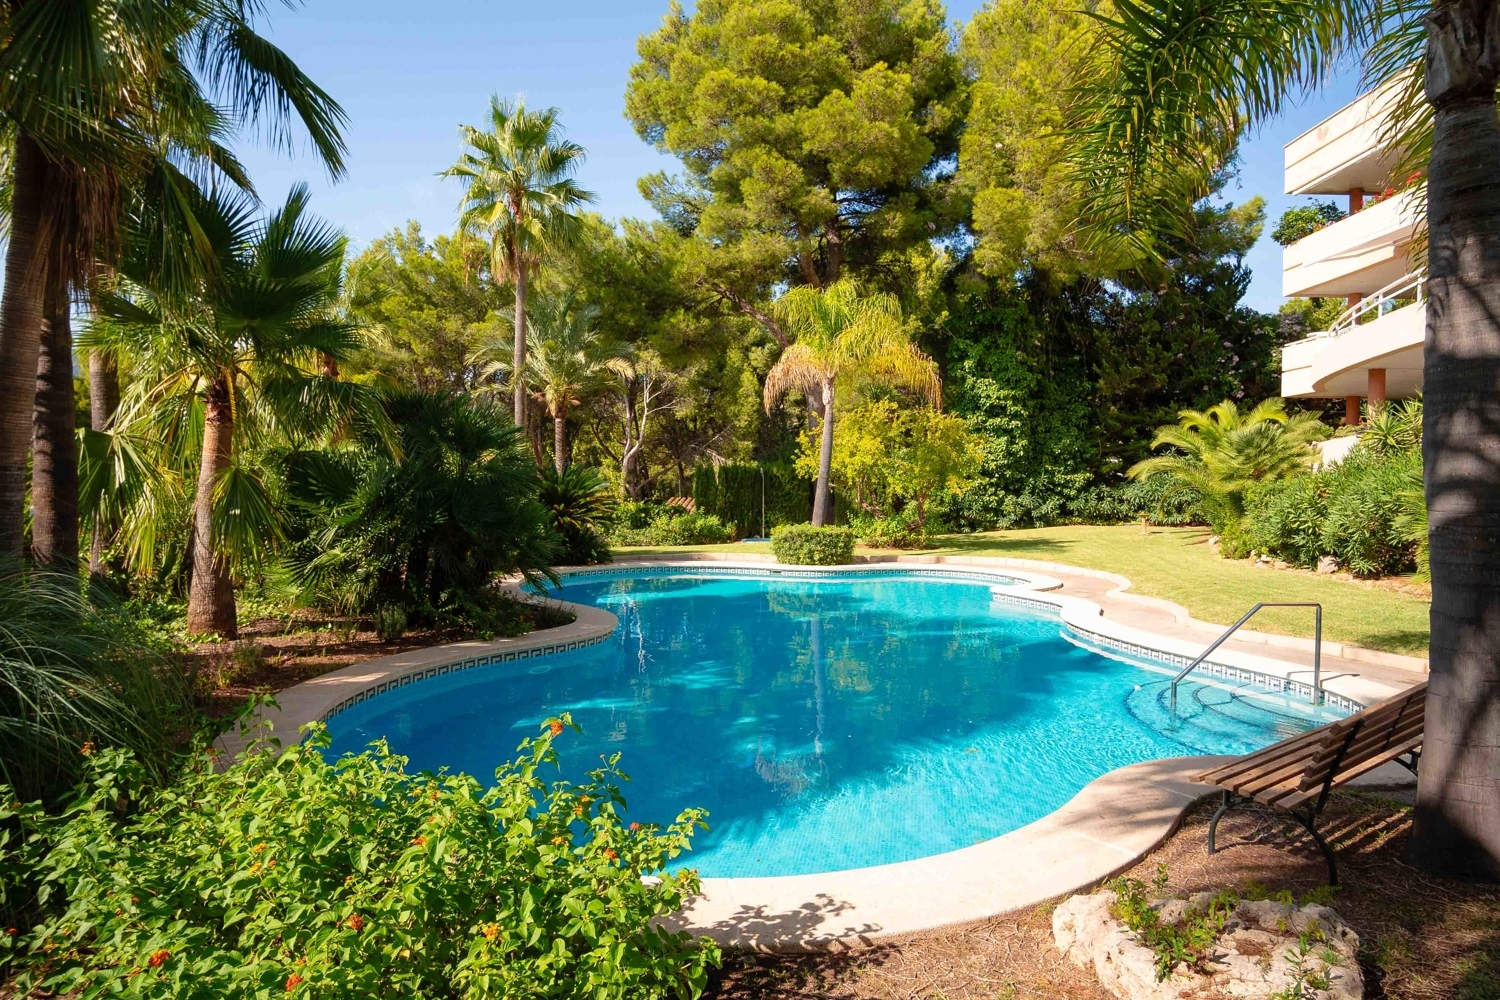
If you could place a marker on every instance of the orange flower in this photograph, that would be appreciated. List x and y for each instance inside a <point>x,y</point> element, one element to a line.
<point>610,853</point>
<point>556,727</point>
<point>356,923</point>
<point>558,841</point>
<point>489,931</point>
<point>420,841</point>
<point>578,810</point>
<point>293,981</point>
<point>160,958</point>
<point>635,828</point>
<point>87,749</point>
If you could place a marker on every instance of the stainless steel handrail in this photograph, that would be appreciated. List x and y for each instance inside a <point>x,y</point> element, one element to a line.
<point>1317,645</point>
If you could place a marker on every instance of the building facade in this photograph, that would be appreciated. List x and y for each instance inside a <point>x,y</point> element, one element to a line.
<point>1373,351</point>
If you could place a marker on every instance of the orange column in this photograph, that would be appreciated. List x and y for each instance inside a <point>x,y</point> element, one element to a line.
<point>1356,199</point>
<point>1351,411</point>
<point>1376,391</point>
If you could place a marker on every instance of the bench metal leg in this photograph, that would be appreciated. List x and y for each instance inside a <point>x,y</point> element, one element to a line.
<point>1213,824</point>
<point>1309,823</point>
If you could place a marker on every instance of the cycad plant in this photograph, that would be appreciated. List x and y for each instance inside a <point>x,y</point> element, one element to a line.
<point>842,332</point>
<point>568,362</point>
<point>582,507</point>
<point>1221,452</point>
<point>519,194</point>
<point>246,361</point>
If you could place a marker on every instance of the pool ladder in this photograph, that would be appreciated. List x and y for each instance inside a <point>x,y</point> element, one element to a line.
<point>1317,645</point>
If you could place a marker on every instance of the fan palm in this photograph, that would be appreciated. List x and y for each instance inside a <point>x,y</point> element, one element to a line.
<point>223,369</point>
<point>1222,452</point>
<point>568,362</point>
<point>519,192</point>
<point>89,92</point>
<point>840,331</point>
<point>1176,83</point>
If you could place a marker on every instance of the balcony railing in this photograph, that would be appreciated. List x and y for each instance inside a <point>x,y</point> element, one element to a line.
<point>1408,290</point>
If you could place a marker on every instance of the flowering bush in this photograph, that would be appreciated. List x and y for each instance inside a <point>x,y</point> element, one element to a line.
<point>286,874</point>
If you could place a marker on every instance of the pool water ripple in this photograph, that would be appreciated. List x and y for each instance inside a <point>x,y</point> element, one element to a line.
<point>825,723</point>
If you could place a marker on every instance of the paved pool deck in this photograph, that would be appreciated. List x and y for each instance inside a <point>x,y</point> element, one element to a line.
<point>1106,828</point>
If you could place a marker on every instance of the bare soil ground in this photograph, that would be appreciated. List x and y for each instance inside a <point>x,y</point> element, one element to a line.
<point>1422,938</point>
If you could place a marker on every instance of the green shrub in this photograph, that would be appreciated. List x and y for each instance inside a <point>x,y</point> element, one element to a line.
<point>667,524</point>
<point>1303,220</point>
<point>1190,941</point>
<point>582,508</point>
<point>802,544</point>
<point>1357,511</point>
<point>287,874</point>
<point>76,669</point>
<point>1130,501</point>
<point>902,530</point>
<point>733,494</point>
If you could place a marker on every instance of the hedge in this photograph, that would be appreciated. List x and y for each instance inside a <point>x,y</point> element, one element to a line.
<point>733,494</point>
<point>802,544</point>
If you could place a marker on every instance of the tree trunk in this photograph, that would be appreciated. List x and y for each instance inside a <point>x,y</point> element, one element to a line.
<point>518,371</point>
<point>104,400</point>
<point>1456,830</point>
<point>211,592</point>
<point>560,441</point>
<point>54,462</point>
<point>823,499</point>
<point>20,339</point>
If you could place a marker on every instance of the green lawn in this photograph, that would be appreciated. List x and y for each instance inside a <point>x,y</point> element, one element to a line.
<point>1172,563</point>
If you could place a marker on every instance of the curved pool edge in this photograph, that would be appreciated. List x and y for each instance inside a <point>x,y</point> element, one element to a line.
<point>1113,822</point>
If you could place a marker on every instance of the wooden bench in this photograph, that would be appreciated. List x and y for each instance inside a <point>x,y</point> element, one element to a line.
<point>1296,775</point>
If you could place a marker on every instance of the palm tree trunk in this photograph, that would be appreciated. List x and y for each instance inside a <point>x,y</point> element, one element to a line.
<point>560,441</point>
<point>104,399</point>
<point>54,463</point>
<point>20,339</point>
<point>518,371</point>
<point>1457,825</point>
<point>823,499</point>
<point>211,592</point>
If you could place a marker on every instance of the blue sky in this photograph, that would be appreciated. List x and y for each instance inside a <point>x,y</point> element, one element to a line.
<point>409,74</point>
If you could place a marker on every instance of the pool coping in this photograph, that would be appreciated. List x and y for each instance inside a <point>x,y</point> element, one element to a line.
<point>1106,828</point>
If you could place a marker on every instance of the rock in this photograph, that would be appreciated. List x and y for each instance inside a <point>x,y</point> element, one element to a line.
<point>1258,954</point>
<point>1328,564</point>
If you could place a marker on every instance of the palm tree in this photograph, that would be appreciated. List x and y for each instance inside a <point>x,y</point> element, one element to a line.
<point>840,331</point>
<point>1176,84</point>
<point>568,361</point>
<point>519,191</point>
<point>224,369</point>
<point>87,92</point>
<point>1222,452</point>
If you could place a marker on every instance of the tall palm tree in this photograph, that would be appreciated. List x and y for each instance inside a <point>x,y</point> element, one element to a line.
<point>1222,452</point>
<point>87,92</point>
<point>1176,84</point>
<point>223,369</point>
<point>840,331</point>
<point>568,361</point>
<point>519,192</point>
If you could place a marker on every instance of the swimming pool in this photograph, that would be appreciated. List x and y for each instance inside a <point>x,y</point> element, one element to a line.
<point>827,721</point>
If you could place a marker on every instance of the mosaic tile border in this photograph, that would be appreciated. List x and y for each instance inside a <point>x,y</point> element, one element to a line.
<point>464,663</point>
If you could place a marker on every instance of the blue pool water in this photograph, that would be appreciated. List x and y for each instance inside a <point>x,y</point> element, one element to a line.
<point>825,723</point>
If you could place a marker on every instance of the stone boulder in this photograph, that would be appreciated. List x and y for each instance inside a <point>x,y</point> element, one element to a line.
<point>1264,950</point>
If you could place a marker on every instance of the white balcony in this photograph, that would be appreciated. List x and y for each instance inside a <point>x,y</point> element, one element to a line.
<point>1357,255</point>
<point>1343,151</point>
<point>1338,363</point>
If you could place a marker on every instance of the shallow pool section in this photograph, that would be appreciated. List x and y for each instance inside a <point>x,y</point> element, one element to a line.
<point>826,723</point>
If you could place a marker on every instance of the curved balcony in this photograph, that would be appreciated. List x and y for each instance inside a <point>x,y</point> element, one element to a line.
<point>1355,256</point>
<point>1338,362</point>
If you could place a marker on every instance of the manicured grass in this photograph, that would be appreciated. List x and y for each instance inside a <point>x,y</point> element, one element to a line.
<point>1173,563</point>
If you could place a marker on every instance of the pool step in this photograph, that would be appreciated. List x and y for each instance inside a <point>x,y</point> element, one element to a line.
<point>1209,714</point>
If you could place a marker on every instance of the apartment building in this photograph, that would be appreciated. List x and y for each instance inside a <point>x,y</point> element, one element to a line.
<point>1374,349</point>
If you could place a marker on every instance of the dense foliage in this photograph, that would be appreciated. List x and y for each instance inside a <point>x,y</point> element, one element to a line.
<point>805,545</point>
<point>667,524</point>
<point>752,499</point>
<point>582,508</point>
<point>427,534</point>
<point>75,670</point>
<point>289,874</point>
<point>1301,221</point>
